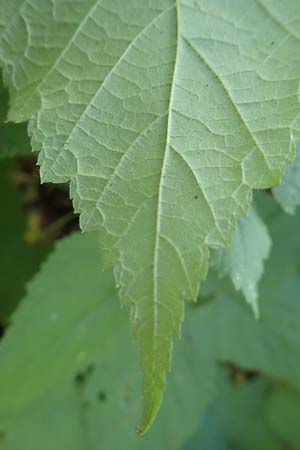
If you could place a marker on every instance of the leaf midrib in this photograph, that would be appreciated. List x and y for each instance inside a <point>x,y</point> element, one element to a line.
<point>160,193</point>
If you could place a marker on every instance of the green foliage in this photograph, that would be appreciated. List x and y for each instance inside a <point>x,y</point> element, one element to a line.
<point>78,306</point>
<point>283,413</point>
<point>163,124</point>
<point>243,261</point>
<point>14,140</point>
<point>256,414</point>
<point>287,194</point>
<point>270,344</point>
<point>19,259</point>
<point>250,428</point>
<point>74,373</point>
<point>163,116</point>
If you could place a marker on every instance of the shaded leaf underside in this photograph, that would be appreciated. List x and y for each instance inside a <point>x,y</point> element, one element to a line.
<point>163,115</point>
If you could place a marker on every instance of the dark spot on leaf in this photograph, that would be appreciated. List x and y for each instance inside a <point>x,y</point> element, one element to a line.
<point>272,43</point>
<point>239,375</point>
<point>102,396</point>
<point>196,6</point>
<point>79,378</point>
<point>196,197</point>
<point>2,434</point>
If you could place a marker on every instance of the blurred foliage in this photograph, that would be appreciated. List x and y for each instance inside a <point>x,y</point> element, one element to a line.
<point>13,137</point>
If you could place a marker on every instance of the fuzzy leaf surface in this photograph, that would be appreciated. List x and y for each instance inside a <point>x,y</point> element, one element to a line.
<point>163,115</point>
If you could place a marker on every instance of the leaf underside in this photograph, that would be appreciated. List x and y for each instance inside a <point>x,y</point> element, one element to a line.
<point>163,115</point>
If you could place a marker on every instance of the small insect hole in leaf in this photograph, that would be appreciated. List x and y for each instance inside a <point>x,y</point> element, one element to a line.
<point>102,396</point>
<point>82,376</point>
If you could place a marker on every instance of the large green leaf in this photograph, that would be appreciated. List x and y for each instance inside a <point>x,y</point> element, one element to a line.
<point>164,116</point>
<point>53,346</point>
<point>244,260</point>
<point>69,346</point>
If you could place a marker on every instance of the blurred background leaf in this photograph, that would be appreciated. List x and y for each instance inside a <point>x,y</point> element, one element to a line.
<point>14,138</point>
<point>78,351</point>
<point>288,192</point>
<point>72,374</point>
<point>19,260</point>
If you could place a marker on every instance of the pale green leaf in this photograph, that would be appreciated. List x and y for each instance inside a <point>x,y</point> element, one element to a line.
<point>244,260</point>
<point>68,367</point>
<point>288,193</point>
<point>164,115</point>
